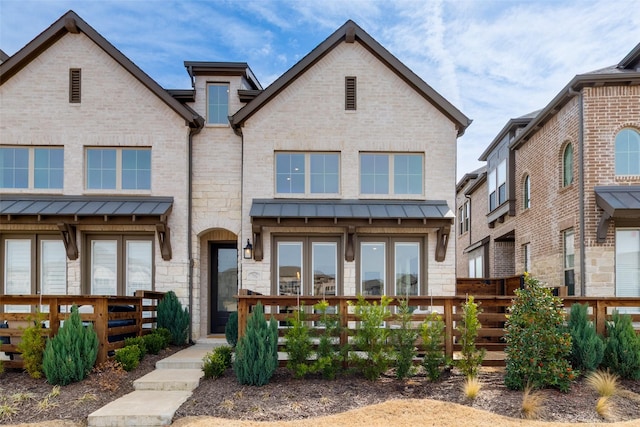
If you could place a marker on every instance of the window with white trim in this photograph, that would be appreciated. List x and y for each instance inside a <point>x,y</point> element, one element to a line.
<point>307,173</point>
<point>627,147</point>
<point>567,165</point>
<point>568,237</point>
<point>497,182</point>
<point>31,167</point>
<point>391,173</point>
<point>526,193</point>
<point>118,168</point>
<point>463,217</point>
<point>119,264</point>
<point>218,103</point>
<point>476,263</point>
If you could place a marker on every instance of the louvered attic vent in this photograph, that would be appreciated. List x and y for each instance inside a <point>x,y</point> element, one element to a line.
<point>74,85</point>
<point>349,93</point>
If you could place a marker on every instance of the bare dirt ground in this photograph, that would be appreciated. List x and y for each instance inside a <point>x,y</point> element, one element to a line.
<point>349,400</point>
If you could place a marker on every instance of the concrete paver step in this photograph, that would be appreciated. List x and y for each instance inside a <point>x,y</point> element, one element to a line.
<point>170,379</point>
<point>189,358</point>
<point>140,408</point>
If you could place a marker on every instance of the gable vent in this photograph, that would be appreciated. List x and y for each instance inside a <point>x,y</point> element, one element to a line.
<point>74,85</point>
<point>349,93</point>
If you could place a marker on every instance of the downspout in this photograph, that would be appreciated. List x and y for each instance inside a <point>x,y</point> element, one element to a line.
<point>192,131</point>
<point>581,193</point>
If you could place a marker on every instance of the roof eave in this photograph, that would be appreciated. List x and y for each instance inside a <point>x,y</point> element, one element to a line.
<point>508,127</point>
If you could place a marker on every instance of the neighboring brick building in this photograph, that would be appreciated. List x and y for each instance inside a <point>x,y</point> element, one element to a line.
<point>574,185</point>
<point>111,183</point>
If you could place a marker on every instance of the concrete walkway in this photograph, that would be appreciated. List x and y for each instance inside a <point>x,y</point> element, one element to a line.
<point>159,394</point>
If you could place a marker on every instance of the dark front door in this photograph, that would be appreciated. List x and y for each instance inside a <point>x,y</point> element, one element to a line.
<point>223,284</point>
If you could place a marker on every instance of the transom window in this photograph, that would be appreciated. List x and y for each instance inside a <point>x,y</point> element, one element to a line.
<point>497,182</point>
<point>118,168</point>
<point>32,167</point>
<point>567,166</point>
<point>390,266</point>
<point>218,103</point>
<point>119,264</point>
<point>310,173</point>
<point>391,173</point>
<point>628,152</point>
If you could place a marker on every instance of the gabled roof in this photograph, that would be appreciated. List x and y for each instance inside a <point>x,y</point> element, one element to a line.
<point>471,176</point>
<point>511,125</point>
<point>3,56</point>
<point>70,22</point>
<point>349,32</point>
<point>626,73</point>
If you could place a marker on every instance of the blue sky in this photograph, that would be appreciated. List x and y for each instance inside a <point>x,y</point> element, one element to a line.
<point>493,59</point>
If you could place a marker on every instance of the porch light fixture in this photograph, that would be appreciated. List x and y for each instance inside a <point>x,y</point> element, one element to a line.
<point>248,250</point>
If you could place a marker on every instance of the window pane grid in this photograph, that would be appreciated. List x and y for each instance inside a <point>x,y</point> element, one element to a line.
<point>627,152</point>
<point>15,167</point>
<point>118,168</point>
<point>218,103</point>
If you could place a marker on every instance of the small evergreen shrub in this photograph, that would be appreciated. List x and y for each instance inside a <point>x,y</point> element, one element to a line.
<point>538,343</point>
<point>165,334</point>
<point>329,355</point>
<point>32,346</point>
<point>404,342</point>
<point>139,341</point>
<point>154,343</point>
<point>217,362</point>
<point>587,347</point>
<point>468,327</point>
<point>231,329</point>
<point>298,345</point>
<point>432,333</point>
<point>622,350</point>
<point>257,350</point>
<point>128,357</point>
<point>70,355</point>
<point>172,316</point>
<point>371,337</point>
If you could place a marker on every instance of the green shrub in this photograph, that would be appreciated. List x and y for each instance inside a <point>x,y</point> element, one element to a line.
<point>231,329</point>
<point>32,346</point>
<point>172,316</point>
<point>165,334</point>
<point>217,362</point>
<point>257,350</point>
<point>298,345</point>
<point>1,367</point>
<point>154,343</point>
<point>622,350</point>
<point>404,342</point>
<point>139,341</point>
<point>329,355</point>
<point>128,357</point>
<point>371,337</point>
<point>432,333</point>
<point>538,344</point>
<point>70,355</point>
<point>472,358</point>
<point>587,347</point>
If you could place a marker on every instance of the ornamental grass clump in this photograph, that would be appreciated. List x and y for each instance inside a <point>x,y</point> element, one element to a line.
<point>622,349</point>
<point>472,358</point>
<point>587,347</point>
<point>69,356</point>
<point>173,317</point>
<point>257,350</point>
<point>371,341</point>
<point>532,403</point>
<point>538,343</point>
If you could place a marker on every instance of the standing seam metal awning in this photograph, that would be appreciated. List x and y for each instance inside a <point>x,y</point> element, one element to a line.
<point>621,201</point>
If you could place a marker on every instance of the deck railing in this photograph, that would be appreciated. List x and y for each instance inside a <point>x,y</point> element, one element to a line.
<point>113,318</point>
<point>492,317</point>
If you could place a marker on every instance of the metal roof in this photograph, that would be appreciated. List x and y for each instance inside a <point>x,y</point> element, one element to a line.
<point>619,201</point>
<point>350,209</point>
<point>16,205</point>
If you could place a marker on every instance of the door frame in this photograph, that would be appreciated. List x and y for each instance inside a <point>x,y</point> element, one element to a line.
<point>213,246</point>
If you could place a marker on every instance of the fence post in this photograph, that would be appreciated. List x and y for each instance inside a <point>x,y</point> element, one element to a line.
<point>448,327</point>
<point>601,317</point>
<point>101,327</point>
<point>243,312</point>
<point>54,317</point>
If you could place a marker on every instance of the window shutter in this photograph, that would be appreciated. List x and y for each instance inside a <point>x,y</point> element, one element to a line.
<point>349,93</point>
<point>74,85</point>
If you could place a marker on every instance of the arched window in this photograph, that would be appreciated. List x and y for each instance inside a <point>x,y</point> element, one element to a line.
<point>628,152</point>
<point>567,165</point>
<point>526,192</point>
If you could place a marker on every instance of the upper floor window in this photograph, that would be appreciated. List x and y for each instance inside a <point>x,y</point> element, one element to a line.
<point>526,192</point>
<point>218,103</point>
<point>391,173</point>
<point>31,167</point>
<point>628,152</point>
<point>311,173</point>
<point>463,217</point>
<point>498,185</point>
<point>567,166</point>
<point>118,168</point>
